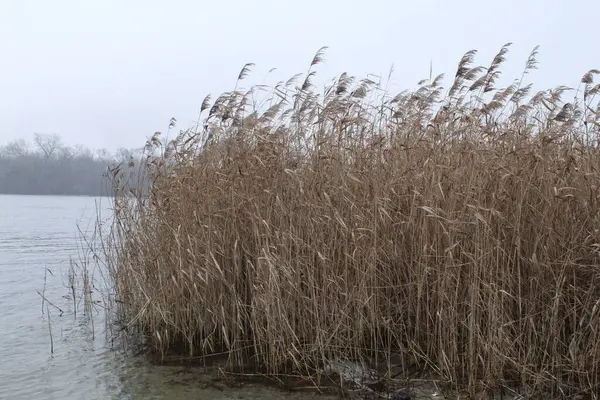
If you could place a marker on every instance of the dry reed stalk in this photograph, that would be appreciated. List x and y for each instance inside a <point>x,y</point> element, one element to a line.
<point>457,229</point>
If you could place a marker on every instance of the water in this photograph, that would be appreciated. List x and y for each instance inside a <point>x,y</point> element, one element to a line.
<point>38,237</point>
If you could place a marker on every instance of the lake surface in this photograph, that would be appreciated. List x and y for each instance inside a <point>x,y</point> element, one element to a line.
<point>38,237</point>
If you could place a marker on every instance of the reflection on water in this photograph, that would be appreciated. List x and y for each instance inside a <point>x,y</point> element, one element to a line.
<point>39,233</point>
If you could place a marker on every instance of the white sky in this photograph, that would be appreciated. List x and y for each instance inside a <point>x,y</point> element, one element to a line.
<point>109,73</point>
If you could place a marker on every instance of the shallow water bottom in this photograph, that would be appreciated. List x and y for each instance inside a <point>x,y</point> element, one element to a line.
<point>175,382</point>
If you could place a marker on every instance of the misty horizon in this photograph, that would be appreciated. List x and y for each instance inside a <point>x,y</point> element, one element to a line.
<point>46,165</point>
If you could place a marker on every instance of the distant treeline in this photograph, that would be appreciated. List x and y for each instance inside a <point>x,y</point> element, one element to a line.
<point>47,166</point>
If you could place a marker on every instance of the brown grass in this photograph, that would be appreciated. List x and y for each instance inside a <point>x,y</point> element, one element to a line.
<point>459,229</point>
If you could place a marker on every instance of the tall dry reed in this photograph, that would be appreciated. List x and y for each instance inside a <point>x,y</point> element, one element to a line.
<point>456,228</point>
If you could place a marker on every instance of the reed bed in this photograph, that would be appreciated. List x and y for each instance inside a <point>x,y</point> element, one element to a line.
<point>457,228</point>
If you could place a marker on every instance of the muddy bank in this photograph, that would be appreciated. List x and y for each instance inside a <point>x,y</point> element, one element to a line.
<point>337,379</point>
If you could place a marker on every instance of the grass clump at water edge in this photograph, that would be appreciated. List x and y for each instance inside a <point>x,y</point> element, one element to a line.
<point>456,228</point>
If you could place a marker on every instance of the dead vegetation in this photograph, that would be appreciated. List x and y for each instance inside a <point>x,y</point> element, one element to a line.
<point>455,228</point>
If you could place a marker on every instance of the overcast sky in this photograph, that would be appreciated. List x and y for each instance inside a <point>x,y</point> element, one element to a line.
<point>109,73</point>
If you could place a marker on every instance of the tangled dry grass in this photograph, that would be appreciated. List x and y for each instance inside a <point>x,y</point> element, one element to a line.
<point>457,228</point>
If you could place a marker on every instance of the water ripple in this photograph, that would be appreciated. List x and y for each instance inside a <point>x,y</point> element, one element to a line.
<point>39,233</point>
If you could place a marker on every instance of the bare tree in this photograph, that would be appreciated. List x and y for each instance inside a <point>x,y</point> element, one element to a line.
<point>123,155</point>
<point>16,148</point>
<point>47,165</point>
<point>67,153</point>
<point>48,144</point>
<point>102,154</point>
<point>82,151</point>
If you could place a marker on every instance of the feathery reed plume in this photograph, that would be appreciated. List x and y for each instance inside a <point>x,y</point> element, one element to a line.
<point>456,231</point>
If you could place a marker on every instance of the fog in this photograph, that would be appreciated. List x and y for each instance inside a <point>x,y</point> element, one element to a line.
<point>108,74</point>
<point>46,165</point>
